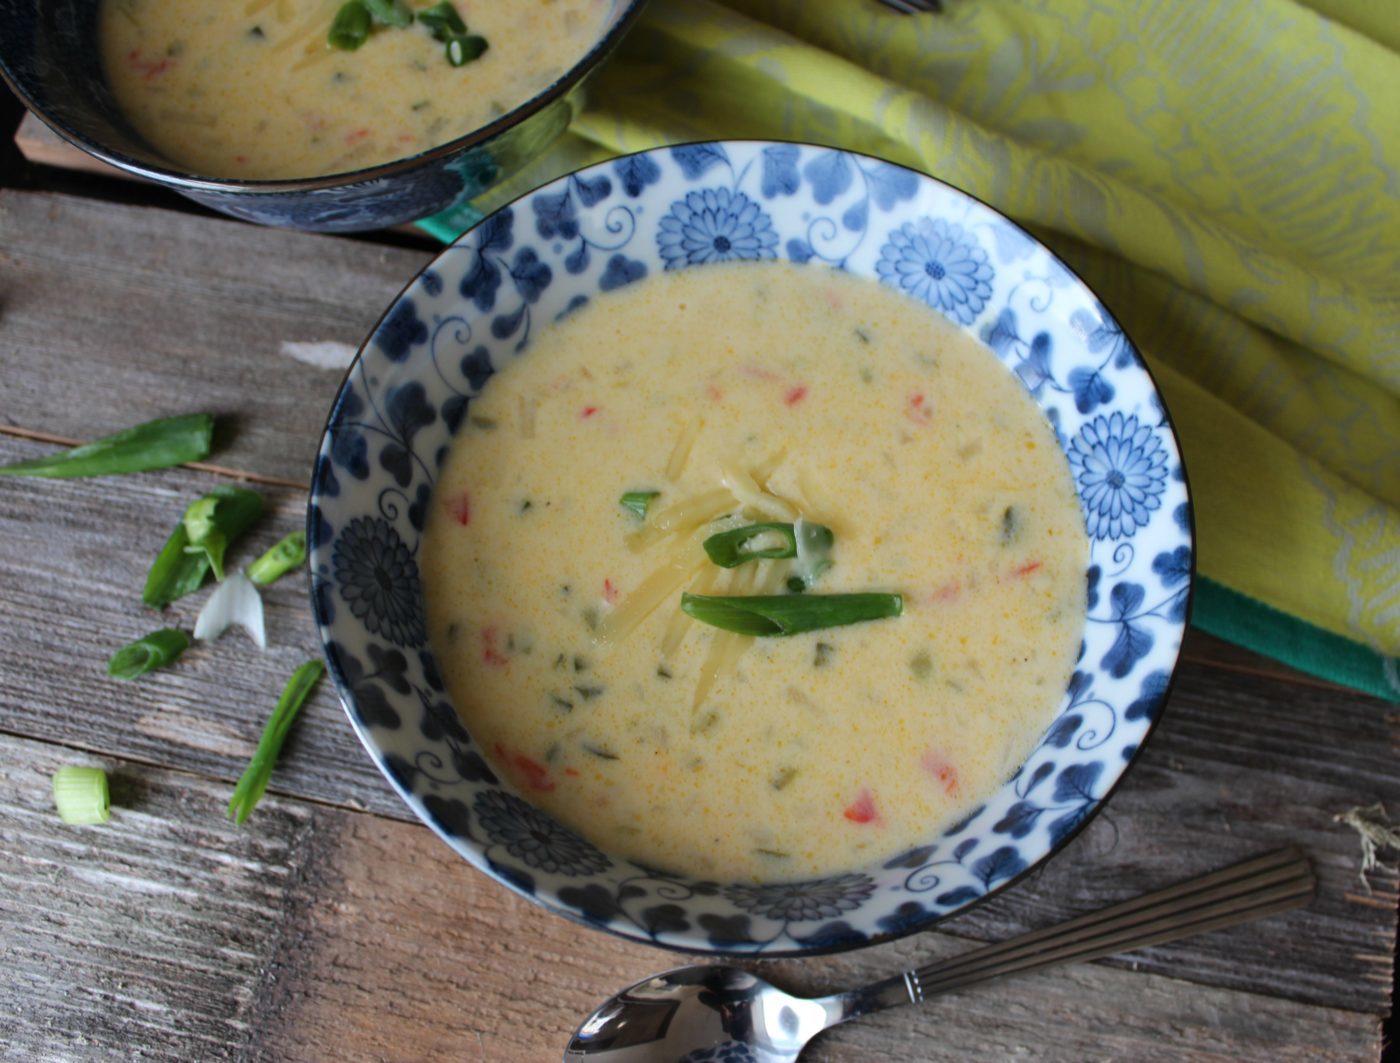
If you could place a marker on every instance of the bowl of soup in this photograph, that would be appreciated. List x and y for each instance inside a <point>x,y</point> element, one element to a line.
<point>751,548</point>
<point>317,114</point>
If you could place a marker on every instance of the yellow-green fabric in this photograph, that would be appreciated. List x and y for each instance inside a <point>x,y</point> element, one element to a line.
<point>1225,175</point>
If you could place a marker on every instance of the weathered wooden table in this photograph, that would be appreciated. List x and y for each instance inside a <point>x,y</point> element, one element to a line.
<point>333,926</point>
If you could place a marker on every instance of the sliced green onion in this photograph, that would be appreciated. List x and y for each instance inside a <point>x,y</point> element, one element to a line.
<point>729,549</point>
<point>288,554</point>
<point>813,549</point>
<point>350,28</point>
<point>80,795</point>
<point>390,12</point>
<point>152,651</point>
<point>789,614</point>
<point>638,502</point>
<point>253,783</point>
<point>443,21</point>
<point>206,529</point>
<point>178,570</point>
<point>154,445</point>
<point>462,50</point>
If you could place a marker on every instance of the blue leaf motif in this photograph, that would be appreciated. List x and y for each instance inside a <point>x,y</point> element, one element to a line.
<point>1174,567</point>
<point>496,233</point>
<point>1125,598</point>
<point>958,897</point>
<point>1012,243</point>
<point>1131,646</point>
<point>1076,782</point>
<point>1005,862</point>
<point>964,848</point>
<point>829,174</point>
<point>477,368</point>
<point>665,918</point>
<point>418,511</point>
<point>1039,775</point>
<point>554,215</point>
<point>1091,580</point>
<point>727,929</point>
<point>521,880</point>
<point>408,410</point>
<point>480,282</point>
<point>1000,334</point>
<point>1034,369</point>
<point>454,408</point>
<point>531,276</point>
<point>1150,700</point>
<point>695,159</point>
<point>1090,389</point>
<point>834,935</point>
<point>432,282</point>
<point>780,171</point>
<point>401,331</point>
<point>1063,731</point>
<point>1019,820</point>
<point>577,261</point>
<point>1078,686</point>
<point>591,193</point>
<point>574,303</point>
<point>960,825</point>
<point>505,325</point>
<point>904,918</point>
<point>913,858</point>
<point>1182,516</point>
<point>621,270</point>
<point>596,903</point>
<point>1062,828</point>
<point>636,173</point>
<point>450,814</point>
<point>350,452</point>
<point>889,184</point>
<point>799,251</point>
<point>856,216</point>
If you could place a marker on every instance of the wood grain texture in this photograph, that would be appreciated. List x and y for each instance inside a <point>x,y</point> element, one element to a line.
<point>382,943</point>
<point>1209,790</point>
<point>316,933</point>
<point>114,315</point>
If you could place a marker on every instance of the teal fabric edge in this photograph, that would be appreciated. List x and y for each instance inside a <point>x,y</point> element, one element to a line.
<point>1215,608</point>
<point>1245,621</point>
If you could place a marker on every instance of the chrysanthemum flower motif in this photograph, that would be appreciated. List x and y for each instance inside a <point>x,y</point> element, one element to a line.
<point>793,902</point>
<point>714,225</point>
<point>937,262</point>
<point>378,579</point>
<point>534,839</point>
<point>1121,468</point>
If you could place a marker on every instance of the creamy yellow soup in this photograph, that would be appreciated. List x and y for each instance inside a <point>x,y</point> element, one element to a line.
<point>748,393</point>
<point>252,89</point>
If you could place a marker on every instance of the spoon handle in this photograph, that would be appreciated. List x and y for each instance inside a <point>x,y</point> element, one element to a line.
<point>1266,885</point>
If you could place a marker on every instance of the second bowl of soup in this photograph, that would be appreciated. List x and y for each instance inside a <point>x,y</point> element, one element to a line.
<point>721,546</point>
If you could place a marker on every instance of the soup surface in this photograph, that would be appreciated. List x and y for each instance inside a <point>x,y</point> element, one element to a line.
<point>742,393</point>
<point>251,88</point>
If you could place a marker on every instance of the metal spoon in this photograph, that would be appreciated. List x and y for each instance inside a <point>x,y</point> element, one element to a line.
<point>715,1014</point>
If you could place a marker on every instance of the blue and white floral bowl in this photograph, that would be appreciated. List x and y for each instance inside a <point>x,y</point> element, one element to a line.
<point>611,225</point>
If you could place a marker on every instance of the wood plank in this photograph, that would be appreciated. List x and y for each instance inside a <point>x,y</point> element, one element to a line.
<point>168,313</point>
<point>1235,768</point>
<point>316,933</point>
<point>42,146</point>
<point>74,560</point>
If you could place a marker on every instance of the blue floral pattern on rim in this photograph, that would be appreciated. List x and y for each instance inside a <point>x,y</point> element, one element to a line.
<point>589,233</point>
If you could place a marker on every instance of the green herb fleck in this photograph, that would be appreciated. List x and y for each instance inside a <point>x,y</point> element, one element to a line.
<point>663,672</point>
<point>783,777</point>
<point>921,664</point>
<point>588,693</point>
<point>486,424</point>
<point>350,28</point>
<point>154,445</point>
<point>599,751</point>
<point>288,553</point>
<point>563,704</point>
<point>773,854</point>
<point>823,654</point>
<point>253,783</point>
<point>152,651</point>
<point>1010,526</point>
<point>637,501</point>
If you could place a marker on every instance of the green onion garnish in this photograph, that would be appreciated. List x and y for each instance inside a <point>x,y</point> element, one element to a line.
<point>153,651</point>
<point>289,553</point>
<point>789,614</point>
<point>253,783</point>
<point>443,21</point>
<point>81,794</point>
<point>729,549</point>
<point>153,445</point>
<point>638,502</point>
<point>465,49</point>
<point>350,28</point>
<point>206,529</point>
<point>178,570</point>
<point>390,12</point>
